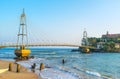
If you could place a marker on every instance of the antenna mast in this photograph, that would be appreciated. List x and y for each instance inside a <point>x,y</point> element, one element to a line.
<point>22,42</point>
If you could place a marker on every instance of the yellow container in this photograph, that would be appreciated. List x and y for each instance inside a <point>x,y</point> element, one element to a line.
<point>22,53</point>
<point>87,50</point>
<point>25,53</point>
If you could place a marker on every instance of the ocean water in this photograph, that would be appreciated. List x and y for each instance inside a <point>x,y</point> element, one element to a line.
<point>90,66</point>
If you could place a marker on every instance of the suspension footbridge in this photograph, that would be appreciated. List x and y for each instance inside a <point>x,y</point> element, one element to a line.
<point>39,45</point>
<point>22,41</point>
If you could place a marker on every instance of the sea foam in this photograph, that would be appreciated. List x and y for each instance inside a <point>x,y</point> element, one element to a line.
<point>47,73</point>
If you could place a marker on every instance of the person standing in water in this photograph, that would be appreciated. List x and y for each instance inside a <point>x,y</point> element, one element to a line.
<point>63,61</point>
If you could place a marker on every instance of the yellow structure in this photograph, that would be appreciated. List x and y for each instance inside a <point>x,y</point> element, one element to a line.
<point>22,53</point>
<point>22,41</point>
<point>86,50</point>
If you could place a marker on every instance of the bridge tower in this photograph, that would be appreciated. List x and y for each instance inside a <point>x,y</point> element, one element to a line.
<point>85,39</point>
<point>22,41</point>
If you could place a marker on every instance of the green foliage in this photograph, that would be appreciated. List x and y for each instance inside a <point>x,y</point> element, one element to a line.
<point>93,41</point>
<point>109,47</point>
<point>108,43</point>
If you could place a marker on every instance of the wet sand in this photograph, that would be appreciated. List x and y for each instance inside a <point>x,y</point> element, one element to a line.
<point>23,74</point>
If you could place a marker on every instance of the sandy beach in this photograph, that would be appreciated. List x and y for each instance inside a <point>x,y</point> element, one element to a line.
<point>23,74</point>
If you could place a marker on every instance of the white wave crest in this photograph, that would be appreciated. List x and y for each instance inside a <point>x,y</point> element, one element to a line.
<point>93,73</point>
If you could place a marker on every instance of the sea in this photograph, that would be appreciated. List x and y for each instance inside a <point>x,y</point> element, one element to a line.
<point>78,65</point>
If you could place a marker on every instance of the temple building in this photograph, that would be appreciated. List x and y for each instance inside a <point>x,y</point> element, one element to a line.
<point>107,35</point>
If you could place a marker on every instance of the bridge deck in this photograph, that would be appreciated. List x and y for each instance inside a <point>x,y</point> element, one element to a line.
<point>39,45</point>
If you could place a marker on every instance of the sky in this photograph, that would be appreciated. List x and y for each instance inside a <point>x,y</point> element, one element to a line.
<point>59,21</point>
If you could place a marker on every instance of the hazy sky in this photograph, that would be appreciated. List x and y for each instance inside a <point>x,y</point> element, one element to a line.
<point>59,20</point>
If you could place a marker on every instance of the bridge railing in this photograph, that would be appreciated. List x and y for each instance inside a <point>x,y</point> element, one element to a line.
<point>33,45</point>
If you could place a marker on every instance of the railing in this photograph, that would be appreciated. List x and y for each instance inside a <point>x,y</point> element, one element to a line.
<point>35,45</point>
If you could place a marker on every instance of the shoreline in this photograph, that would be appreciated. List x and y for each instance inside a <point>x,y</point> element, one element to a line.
<point>23,74</point>
<point>48,72</point>
<point>62,72</point>
<point>75,63</point>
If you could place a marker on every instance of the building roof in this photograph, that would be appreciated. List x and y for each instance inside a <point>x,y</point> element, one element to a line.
<point>111,36</point>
